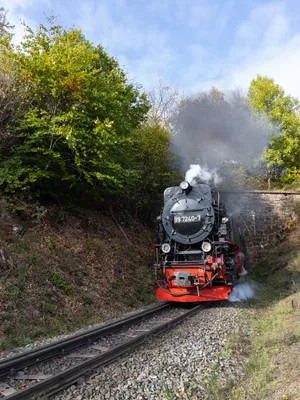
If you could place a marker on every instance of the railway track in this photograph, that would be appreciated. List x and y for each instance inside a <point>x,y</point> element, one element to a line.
<point>40,373</point>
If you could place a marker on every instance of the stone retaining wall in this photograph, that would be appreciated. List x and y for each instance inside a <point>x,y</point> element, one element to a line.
<point>263,217</point>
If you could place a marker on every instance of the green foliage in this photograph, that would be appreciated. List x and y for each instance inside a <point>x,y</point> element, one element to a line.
<point>155,166</point>
<point>13,291</point>
<point>47,308</point>
<point>86,299</point>
<point>59,282</point>
<point>13,100</point>
<point>291,179</point>
<point>269,98</point>
<point>78,130</point>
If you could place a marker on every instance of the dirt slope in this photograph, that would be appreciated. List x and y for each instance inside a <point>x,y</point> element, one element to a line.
<point>59,270</point>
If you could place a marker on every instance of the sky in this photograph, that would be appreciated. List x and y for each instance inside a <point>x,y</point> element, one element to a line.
<point>194,44</point>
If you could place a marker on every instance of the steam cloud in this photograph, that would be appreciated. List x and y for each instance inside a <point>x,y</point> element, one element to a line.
<point>242,291</point>
<point>196,174</point>
<point>209,130</point>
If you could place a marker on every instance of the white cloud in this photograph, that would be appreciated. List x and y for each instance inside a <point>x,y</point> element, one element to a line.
<point>194,69</point>
<point>173,12</point>
<point>209,19</point>
<point>201,13</point>
<point>268,23</point>
<point>121,34</point>
<point>13,4</point>
<point>115,33</point>
<point>152,65</point>
<point>196,50</point>
<point>280,62</point>
<point>263,45</point>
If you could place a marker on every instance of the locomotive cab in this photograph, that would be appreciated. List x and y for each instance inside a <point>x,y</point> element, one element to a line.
<point>197,258</point>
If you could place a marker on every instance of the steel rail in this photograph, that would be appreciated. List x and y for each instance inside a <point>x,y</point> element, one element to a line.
<point>56,383</point>
<point>23,360</point>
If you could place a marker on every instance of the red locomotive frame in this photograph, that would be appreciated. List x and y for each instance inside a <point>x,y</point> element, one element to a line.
<point>208,279</point>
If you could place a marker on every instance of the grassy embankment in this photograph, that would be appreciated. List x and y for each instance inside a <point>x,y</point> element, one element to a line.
<point>273,369</point>
<point>61,271</point>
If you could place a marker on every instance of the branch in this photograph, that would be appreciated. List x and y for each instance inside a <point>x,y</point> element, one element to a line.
<point>121,229</point>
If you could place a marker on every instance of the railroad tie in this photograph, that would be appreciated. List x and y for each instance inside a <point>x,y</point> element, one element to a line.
<point>80,355</point>
<point>99,347</point>
<point>6,390</point>
<point>33,377</point>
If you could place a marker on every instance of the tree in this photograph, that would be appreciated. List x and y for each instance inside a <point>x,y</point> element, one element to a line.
<point>78,130</point>
<point>12,106</point>
<point>155,167</point>
<point>164,99</point>
<point>238,99</point>
<point>5,26</point>
<point>214,95</point>
<point>268,98</point>
<point>12,98</point>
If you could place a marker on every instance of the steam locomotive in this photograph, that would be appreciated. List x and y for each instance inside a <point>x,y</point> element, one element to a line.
<point>198,255</point>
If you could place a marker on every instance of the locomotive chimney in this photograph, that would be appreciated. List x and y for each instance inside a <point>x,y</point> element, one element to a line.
<point>185,187</point>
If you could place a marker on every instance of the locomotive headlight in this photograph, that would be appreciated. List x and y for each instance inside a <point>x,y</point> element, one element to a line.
<point>165,248</point>
<point>224,220</point>
<point>206,247</point>
<point>184,185</point>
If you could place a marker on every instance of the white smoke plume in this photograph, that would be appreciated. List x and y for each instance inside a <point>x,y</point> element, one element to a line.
<point>242,291</point>
<point>210,129</point>
<point>197,174</point>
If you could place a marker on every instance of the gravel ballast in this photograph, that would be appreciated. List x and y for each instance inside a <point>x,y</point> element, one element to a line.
<point>184,363</point>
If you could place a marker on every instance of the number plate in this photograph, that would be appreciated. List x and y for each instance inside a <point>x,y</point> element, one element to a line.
<point>187,218</point>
